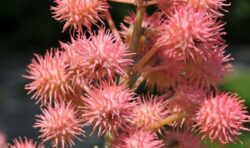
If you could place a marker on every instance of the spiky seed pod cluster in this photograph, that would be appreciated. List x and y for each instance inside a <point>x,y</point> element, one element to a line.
<point>192,42</point>
<point>221,117</point>
<point>90,81</point>
<point>24,143</point>
<point>60,124</point>
<point>108,108</point>
<point>79,13</point>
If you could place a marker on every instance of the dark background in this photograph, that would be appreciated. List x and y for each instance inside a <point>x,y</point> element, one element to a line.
<point>26,28</point>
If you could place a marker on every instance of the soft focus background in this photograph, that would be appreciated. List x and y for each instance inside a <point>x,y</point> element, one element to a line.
<point>27,28</point>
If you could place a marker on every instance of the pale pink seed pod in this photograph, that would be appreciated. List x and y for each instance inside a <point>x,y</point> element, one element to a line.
<point>24,143</point>
<point>78,13</point>
<point>74,62</point>
<point>188,34</point>
<point>108,108</point>
<point>188,99</point>
<point>213,8</point>
<point>211,71</point>
<point>49,79</point>
<point>149,112</point>
<point>221,117</point>
<point>138,139</point>
<point>60,125</point>
<point>103,56</point>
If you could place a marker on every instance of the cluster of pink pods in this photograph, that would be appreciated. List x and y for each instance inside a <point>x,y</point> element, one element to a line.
<point>151,84</point>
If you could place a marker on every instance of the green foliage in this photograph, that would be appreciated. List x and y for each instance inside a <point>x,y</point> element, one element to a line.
<point>238,82</point>
<point>244,139</point>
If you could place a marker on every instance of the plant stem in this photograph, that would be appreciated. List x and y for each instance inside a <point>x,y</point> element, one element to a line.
<point>124,1</point>
<point>108,140</point>
<point>144,59</point>
<point>167,120</point>
<point>112,25</point>
<point>149,3</point>
<point>145,4</point>
<point>137,31</point>
<point>138,82</point>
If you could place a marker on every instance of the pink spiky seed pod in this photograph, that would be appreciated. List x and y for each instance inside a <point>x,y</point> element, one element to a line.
<point>104,56</point>
<point>221,117</point>
<point>78,13</point>
<point>75,67</point>
<point>49,79</point>
<point>188,34</point>
<point>138,139</point>
<point>212,7</point>
<point>60,125</point>
<point>149,112</point>
<point>182,139</point>
<point>24,143</point>
<point>150,32</point>
<point>108,107</point>
<point>186,99</point>
<point>211,71</point>
<point>74,62</point>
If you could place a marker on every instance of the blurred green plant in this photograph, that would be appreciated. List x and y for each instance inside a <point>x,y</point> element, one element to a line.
<point>239,82</point>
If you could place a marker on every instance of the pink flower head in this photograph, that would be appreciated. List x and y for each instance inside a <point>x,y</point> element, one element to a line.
<point>103,56</point>
<point>182,139</point>
<point>59,124</point>
<point>186,99</point>
<point>138,139</point>
<point>24,143</point>
<point>150,111</point>
<point>150,33</point>
<point>189,34</point>
<point>222,117</point>
<point>108,107</point>
<point>211,71</point>
<point>78,13</point>
<point>49,78</point>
